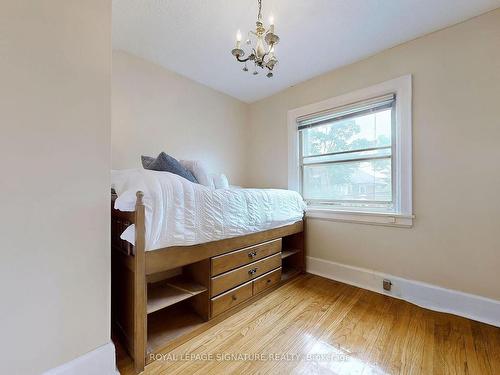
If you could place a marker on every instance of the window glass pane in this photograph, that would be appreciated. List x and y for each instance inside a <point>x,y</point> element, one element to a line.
<point>370,130</point>
<point>368,180</point>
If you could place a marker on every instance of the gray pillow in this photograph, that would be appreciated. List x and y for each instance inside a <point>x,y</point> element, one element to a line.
<point>166,163</point>
<point>146,161</point>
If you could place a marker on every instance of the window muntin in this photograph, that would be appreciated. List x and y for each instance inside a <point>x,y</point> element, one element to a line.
<point>346,156</point>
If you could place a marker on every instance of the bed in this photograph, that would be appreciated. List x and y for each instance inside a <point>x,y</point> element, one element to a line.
<point>185,256</point>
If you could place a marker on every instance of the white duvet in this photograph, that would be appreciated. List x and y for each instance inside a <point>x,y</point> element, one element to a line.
<point>181,213</point>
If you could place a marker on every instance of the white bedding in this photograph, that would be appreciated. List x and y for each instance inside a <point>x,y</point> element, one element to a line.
<point>180,213</point>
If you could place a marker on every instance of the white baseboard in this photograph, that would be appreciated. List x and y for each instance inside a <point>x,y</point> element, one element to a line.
<point>100,361</point>
<point>425,295</point>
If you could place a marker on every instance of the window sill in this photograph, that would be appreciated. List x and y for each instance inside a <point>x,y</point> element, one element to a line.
<point>373,218</point>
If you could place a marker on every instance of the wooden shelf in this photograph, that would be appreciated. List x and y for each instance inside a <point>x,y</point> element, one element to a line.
<point>168,324</point>
<point>289,252</point>
<point>171,291</point>
<point>288,272</point>
<point>185,284</point>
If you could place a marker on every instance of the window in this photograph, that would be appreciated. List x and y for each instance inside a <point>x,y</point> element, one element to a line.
<point>351,155</point>
<point>346,155</point>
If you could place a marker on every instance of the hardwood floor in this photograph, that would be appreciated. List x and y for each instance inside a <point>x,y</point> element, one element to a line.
<point>318,326</point>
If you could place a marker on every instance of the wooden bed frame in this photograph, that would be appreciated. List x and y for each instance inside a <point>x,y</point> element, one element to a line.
<point>149,293</point>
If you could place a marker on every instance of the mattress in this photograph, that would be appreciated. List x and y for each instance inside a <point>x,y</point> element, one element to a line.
<point>181,213</point>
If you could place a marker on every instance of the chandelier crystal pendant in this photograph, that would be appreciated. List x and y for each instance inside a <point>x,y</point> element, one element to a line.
<point>262,47</point>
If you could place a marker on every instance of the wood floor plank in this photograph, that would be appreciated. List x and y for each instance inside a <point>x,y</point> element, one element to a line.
<point>306,344</point>
<point>315,344</point>
<point>298,337</point>
<point>416,355</point>
<point>486,341</point>
<point>275,334</point>
<point>364,333</point>
<point>345,340</point>
<point>450,346</point>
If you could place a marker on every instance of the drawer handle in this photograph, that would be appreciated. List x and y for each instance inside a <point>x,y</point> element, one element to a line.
<point>252,271</point>
<point>234,297</point>
<point>252,254</point>
<point>269,280</point>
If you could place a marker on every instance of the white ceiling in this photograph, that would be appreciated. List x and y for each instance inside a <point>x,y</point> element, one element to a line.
<point>194,37</point>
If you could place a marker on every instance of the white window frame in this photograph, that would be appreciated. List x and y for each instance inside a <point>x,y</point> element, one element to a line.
<point>402,154</point>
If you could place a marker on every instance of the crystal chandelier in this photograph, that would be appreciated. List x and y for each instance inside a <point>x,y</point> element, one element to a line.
<point>262,47</point>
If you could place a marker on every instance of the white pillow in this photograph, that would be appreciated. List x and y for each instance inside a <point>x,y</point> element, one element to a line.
<point>220,181</point>
<point>200,172</point>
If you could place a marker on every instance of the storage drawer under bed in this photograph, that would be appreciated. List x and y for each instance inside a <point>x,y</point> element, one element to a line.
<point>238,258</point>
<point>235,296</point>
<point>229,280</point>
<point>231,298</point>
<point>266,281</point>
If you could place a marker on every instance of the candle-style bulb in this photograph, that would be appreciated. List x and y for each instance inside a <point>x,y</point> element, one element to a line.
<point>271,24</point>
<point>238,39</point>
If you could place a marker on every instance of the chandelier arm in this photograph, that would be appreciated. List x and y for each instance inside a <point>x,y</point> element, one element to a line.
<point>244,60</point>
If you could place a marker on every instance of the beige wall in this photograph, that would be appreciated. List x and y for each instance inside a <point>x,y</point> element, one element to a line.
<point>55,60</point>
<point>157,110</point>
<point>455,241</point>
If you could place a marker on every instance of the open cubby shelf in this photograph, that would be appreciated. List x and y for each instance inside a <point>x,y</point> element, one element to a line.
<point>289,252</point>
<point>292,256</point>
<point>171,291</point>
<point>170,323</point>
<point>289,272</point>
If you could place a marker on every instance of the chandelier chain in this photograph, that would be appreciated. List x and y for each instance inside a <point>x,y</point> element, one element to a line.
<point>260,9</point>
